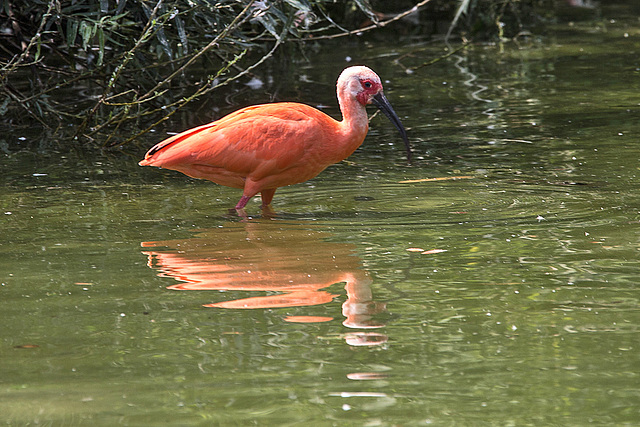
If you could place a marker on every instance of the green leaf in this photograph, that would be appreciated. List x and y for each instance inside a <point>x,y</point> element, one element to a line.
<point>4,105</point>
<point>87,31</point>
<point>38,46</point>
<point>299,5</point>
<point>100,33</point>
<point>72,32</point>
<point>182,33</point>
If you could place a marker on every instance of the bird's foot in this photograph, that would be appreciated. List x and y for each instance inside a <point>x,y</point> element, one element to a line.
<point>268,212</point>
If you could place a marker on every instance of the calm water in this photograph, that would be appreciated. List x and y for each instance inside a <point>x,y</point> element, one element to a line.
<point>494,282</point>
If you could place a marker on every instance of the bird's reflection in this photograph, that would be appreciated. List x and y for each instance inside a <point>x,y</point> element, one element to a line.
<point>294,260</point>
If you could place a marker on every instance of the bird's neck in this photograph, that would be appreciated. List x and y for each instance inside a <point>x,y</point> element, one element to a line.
<point>354,126</point>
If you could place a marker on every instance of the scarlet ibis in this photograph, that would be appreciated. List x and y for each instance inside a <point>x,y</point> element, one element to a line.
<point>263,147</point>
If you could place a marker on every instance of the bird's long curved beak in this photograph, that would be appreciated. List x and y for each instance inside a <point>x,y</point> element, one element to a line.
<point>383,104</point>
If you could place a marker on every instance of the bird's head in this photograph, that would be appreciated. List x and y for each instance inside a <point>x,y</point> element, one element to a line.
<point>365,86</point>
<point>360,83</point>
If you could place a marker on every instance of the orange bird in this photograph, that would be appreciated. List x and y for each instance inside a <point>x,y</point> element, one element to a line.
<point>264,147</point>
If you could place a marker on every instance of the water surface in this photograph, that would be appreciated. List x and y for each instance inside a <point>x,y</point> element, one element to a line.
<point>492,282</point>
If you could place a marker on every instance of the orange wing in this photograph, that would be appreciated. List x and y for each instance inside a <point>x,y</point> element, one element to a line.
<point>256,141</point>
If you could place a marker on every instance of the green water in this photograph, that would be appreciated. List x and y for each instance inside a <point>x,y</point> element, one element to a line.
<point>497,288</point>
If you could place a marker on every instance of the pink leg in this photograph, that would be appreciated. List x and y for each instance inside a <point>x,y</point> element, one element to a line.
<point>267,196</point>
<point>243,202</point>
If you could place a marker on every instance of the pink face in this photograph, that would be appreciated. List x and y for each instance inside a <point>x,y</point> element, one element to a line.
<point>370,87</point>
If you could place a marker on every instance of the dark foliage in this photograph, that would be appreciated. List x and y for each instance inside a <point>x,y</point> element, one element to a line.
<point>138,62</point>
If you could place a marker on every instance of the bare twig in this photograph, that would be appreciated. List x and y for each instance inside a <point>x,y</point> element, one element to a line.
<point>122,114</point>
<point>464,6</point>
<point>16,61</point>
<point>15,95</point>
<point>236,22</point>
<point>146,32</point>
<point>207,88</point>
<point>379,24</point>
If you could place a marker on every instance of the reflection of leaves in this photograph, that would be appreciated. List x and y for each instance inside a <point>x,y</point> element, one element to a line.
<point>442,178</point>
<point>428,252</point>
<point>450,318</point>
<point>433,251</point>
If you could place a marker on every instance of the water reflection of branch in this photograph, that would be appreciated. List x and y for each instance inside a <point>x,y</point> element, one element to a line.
<point>471,80</point>
<point>295,262</point>
<point>427,63</point>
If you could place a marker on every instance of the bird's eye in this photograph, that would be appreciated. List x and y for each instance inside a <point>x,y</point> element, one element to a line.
<point>367,84</point>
